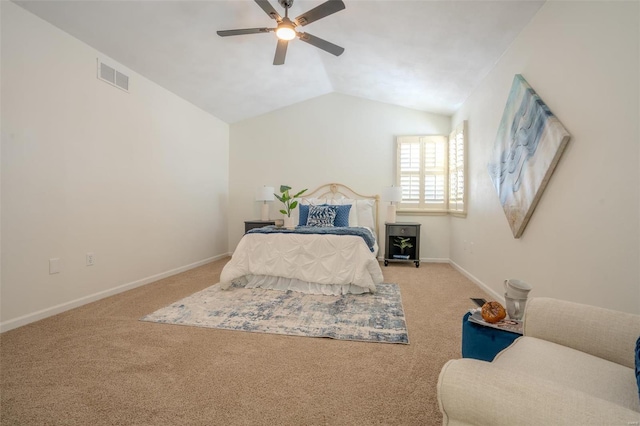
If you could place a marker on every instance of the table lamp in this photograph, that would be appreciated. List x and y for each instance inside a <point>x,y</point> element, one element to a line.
<point>264,194</point>
<point>392,194</point>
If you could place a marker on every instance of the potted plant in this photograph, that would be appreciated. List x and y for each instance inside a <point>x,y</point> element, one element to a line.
<point>290,203</point>
<point>402,243</point>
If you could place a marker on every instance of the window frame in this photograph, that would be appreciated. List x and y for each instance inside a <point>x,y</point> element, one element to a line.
<point>458,208</point>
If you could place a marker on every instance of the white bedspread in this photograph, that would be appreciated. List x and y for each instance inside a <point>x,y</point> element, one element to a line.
<point>325,260</point>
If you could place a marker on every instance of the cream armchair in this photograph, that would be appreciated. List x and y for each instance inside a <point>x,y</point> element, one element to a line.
<point>573,366</point>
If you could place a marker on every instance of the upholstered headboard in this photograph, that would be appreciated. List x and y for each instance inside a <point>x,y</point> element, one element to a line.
<point>338,191</point>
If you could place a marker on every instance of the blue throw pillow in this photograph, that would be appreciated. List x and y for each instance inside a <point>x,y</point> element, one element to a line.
<point>304,214</point>
<point>342,215</point>
<point>321,215</point>
<point>638,364</point>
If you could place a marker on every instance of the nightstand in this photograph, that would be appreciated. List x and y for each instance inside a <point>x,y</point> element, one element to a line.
<point>395,234</point>
<point>250,224</point>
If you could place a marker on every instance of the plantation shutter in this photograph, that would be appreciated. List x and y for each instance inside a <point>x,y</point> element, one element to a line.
<point>409,161</point>
<point>457,169</point>
<point>434,171</point>
<point>421,166</point>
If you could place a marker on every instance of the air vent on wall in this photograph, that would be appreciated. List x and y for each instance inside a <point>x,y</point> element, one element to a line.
<point>112,76</point>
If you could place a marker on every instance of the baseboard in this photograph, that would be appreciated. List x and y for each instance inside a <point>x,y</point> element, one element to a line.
<point>476,281</point>
<point>54,310</point>
<point>425,260</point>
<point>434,260</point>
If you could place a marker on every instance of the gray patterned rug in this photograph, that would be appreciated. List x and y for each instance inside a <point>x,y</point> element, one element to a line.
<point>375,317</point>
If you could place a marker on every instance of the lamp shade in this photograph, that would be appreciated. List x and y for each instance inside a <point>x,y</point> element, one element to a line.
<point>392,194</point>
<point>265,193</point>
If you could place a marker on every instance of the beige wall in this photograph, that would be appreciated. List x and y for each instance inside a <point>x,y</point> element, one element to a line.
<point>332,138</point>
<point>582,243</point>
<point>153,185</point>
<point>139,179</point>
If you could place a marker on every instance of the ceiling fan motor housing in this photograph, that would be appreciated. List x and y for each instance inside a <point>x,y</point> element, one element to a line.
<point>286,3</point>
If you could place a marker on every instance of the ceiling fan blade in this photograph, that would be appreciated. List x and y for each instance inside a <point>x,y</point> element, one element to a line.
<point>227,33</point>
<point>269,10</point>
<point>281,52</point>
<point>319,12</point>
<point>334,49</point>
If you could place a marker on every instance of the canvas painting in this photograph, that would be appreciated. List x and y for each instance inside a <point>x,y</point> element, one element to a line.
<point>527,149</point>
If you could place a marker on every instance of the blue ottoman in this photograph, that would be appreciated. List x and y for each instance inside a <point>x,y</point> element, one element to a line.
<point>482,342</point>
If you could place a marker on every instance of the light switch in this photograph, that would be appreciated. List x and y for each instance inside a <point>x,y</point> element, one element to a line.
<point>54,266</point>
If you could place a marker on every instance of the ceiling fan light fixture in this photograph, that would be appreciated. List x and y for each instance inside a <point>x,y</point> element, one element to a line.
<point>286,28</point>
<point>285,32</point>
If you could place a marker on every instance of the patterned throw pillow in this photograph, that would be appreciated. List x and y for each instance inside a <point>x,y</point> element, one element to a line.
<point>321,215</point>
<point>342,214</point>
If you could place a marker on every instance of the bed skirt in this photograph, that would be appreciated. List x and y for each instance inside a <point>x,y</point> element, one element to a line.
<point>293,284</point>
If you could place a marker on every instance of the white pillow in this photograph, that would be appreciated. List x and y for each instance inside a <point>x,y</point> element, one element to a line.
<point>360,214</point>
<point>365,213</point>
<point>313,201</point>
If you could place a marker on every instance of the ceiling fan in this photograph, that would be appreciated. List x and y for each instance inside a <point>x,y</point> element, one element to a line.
<point>286,28</point>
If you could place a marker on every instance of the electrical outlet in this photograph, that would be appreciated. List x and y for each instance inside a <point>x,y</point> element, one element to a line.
<point>471,247</point>
<point>54,266</point>
<point>91,259</point>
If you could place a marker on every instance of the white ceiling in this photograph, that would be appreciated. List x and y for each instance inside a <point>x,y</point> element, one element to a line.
<point>421,54</point>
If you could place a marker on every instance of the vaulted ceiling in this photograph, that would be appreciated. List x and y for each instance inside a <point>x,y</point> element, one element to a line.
<point>421,54</point>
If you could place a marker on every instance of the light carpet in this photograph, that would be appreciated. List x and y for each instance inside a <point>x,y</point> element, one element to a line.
<point>99,365</point>
<point>377,317</point>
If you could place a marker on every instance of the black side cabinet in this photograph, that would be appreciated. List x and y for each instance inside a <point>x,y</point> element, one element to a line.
<point>405,234</point>
<point>250,224</point>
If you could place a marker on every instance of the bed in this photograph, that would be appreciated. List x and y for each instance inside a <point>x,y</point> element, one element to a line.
<point>336,256</point>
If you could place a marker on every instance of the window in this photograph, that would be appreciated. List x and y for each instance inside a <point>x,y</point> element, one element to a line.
<point>431,172</point>
<point>422,169</point>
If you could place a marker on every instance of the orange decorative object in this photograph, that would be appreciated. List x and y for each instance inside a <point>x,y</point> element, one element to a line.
<point>493,312</point>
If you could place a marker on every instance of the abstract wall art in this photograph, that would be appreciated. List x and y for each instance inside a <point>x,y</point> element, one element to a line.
<point>528,146</point>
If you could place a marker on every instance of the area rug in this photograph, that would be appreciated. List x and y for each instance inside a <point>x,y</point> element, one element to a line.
<point>375,317</point>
